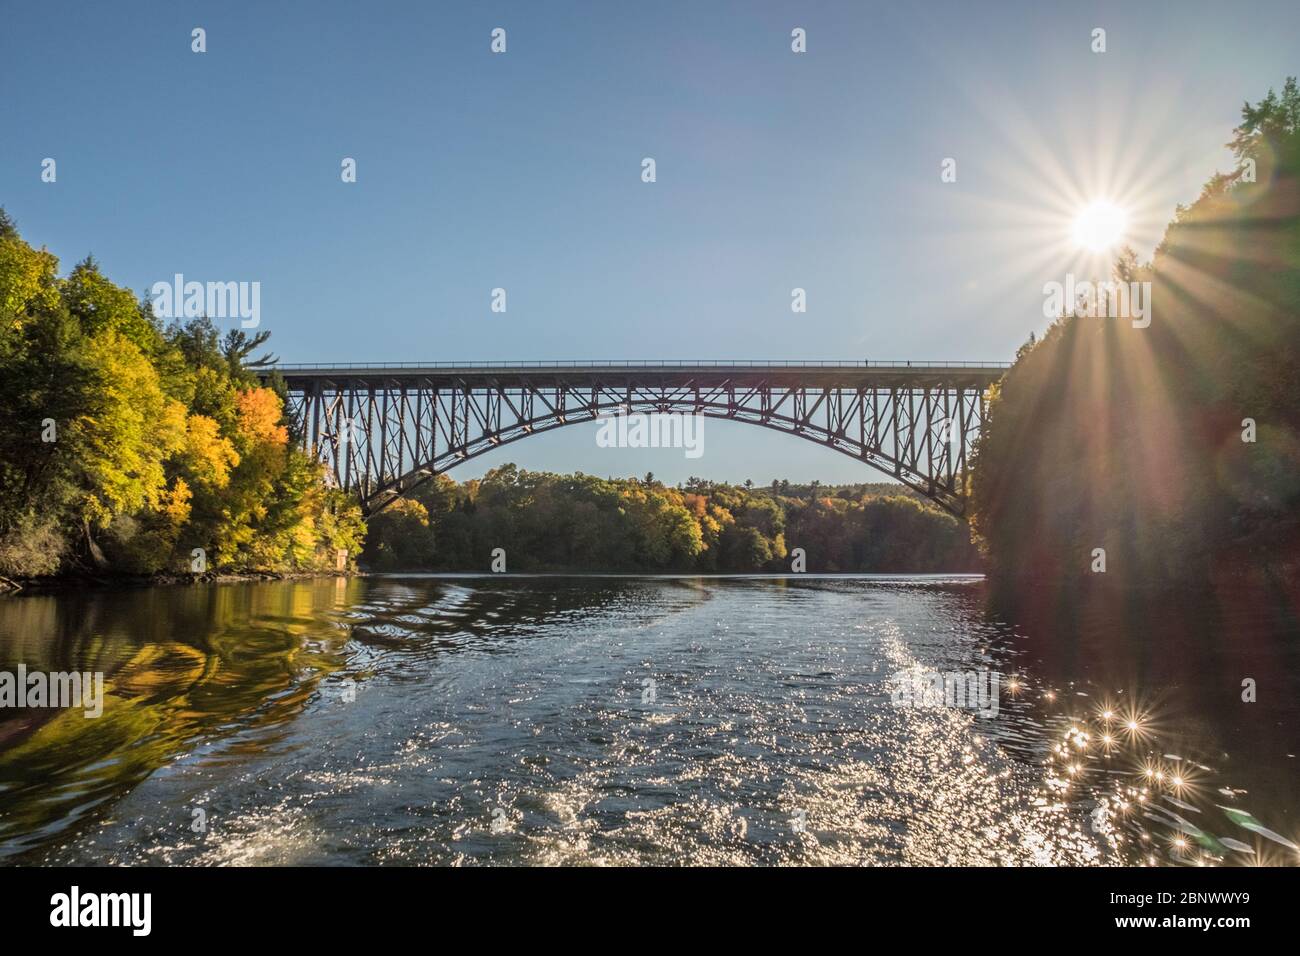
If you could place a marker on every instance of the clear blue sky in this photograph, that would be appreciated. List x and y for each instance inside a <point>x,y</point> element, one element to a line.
<point>522,171</point>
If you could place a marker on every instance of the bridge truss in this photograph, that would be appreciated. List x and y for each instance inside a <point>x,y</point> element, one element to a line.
<point>382,430</point>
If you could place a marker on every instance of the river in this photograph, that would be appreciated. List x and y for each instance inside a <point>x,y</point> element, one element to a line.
<point>633,720</point>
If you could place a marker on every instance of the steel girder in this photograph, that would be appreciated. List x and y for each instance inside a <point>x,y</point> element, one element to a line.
<point>382,434</point>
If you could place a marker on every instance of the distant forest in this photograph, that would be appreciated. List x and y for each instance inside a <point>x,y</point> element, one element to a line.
<point>548,522</point>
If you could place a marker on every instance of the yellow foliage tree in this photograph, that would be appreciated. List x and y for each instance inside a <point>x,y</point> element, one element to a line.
<point>208,456</point>
<point>126,436</point>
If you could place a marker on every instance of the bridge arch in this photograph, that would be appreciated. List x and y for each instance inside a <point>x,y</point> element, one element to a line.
<point>385,430</point>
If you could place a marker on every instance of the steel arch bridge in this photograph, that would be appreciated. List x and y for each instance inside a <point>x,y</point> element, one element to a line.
<point>384,429</point>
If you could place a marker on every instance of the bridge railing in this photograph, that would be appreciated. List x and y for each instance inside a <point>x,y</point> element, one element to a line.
<point>638,363</point>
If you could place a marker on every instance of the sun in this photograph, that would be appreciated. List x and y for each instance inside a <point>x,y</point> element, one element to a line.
<point>1100,225</point>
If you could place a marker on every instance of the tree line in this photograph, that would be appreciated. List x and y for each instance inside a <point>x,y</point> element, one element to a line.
<point>544,522</point>
<point>132,447</point>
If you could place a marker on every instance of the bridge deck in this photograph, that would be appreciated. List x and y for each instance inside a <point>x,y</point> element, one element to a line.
<point>828,374</point>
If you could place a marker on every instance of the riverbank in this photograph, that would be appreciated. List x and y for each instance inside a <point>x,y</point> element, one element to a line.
<point>1239,569</point>
<point>70,582</point>
<point>685,575</point>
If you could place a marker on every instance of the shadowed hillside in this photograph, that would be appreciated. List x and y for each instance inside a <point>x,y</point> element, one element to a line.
<point>1176,447</point>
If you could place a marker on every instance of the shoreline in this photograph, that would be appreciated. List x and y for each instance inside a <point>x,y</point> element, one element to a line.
<point>68,582</point>
<point>1003,588</point>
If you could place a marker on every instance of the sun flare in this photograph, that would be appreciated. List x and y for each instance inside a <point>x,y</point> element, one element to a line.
<point>1100,225</point>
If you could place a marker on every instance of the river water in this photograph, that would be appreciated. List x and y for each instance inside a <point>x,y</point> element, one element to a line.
<point>625,720</point>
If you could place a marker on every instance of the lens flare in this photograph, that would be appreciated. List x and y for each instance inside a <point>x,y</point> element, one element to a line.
<point>1100,225</point>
